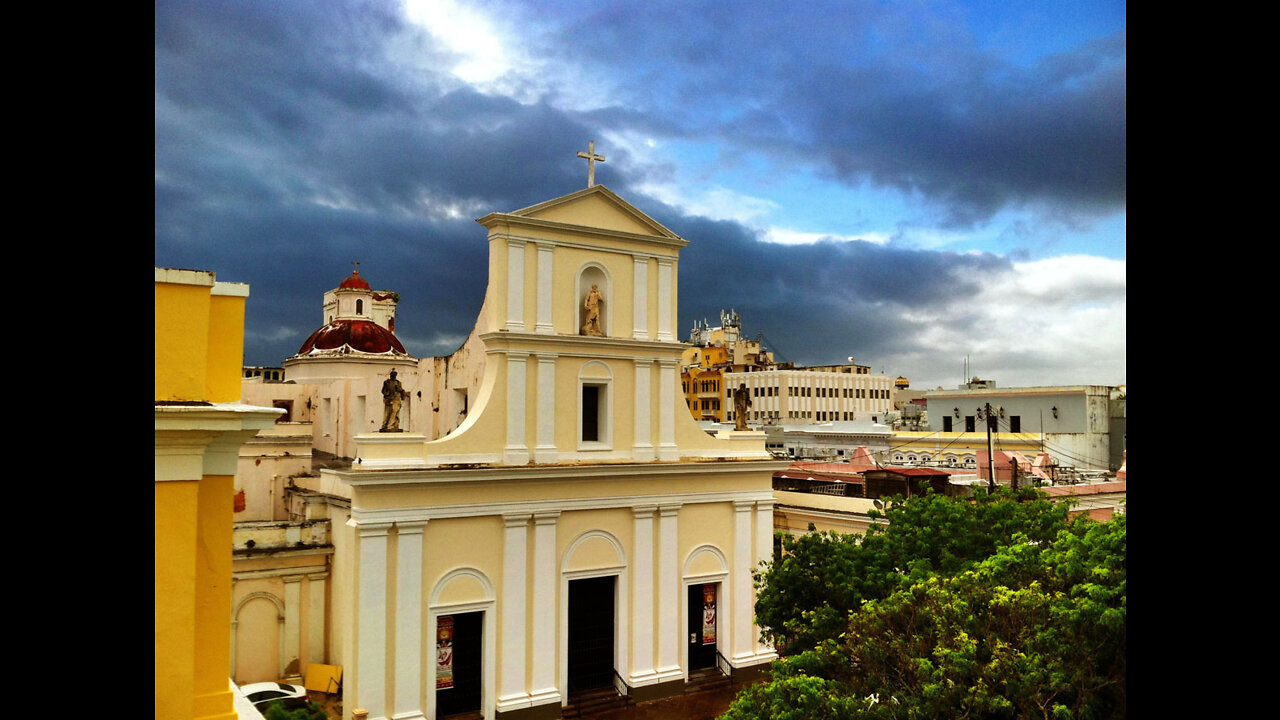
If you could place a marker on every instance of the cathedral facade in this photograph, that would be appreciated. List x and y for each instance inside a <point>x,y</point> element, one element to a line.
<point>576,532</point>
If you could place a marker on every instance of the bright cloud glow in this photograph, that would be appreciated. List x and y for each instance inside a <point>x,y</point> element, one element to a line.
<point>467,33</point>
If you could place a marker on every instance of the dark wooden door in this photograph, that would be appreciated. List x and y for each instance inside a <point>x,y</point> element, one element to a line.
<point>590,633</point>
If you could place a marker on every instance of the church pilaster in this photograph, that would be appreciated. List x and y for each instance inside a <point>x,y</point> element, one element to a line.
<point>642,670</point>
<point>744,554</point>
<point>409,609</point>
<point>517,450</point>
<point>642,451</point>
<point>371,678</point>
<point>544,608</point>
<point>545,451</point>
<point>640,303</point>
<point>671,628</point>
<point>668,382</point>
<point>515,284</point>
<point>543,322</point>
<point>512,688</point>
<point>666,294</point>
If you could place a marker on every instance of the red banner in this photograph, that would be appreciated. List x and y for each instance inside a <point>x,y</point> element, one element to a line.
<point>444,652</point>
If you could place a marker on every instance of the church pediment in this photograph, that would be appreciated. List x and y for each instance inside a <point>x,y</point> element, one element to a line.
<point>594,207</point>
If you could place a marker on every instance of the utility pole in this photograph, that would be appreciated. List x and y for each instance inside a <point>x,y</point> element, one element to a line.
<point>991,455</point>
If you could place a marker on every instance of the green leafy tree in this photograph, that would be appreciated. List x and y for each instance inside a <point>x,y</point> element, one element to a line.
<point>805,595</point>
<point>1037,630</point>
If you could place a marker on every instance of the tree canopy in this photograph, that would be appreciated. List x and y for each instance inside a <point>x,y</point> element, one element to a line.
<point>995,609</point>
<point>806,594</point>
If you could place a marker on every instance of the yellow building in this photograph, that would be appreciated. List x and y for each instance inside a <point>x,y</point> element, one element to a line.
<point>199,427</point>
<point>577,533</point>
<point>954,449</point>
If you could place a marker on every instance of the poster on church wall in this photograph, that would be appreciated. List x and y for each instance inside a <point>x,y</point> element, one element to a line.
<point>709,614</point>
<point>444,652</point>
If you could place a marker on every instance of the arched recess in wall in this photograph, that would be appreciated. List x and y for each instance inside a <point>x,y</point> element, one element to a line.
<point>589,274</point>
<point>252,618</point>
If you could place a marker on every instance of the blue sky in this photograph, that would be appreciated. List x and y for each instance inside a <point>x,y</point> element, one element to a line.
<point>909,183</point>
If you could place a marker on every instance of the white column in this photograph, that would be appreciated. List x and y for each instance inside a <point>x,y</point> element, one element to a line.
<point>512,691</point>
<point>666,289</point>
<point>640,300</point>
<point>642,451</point>
<point>667,385</point>
<point>764,551</point>
<point>545,582</point>
<point>317,616</point>
<point>409,609</point>
<point>543,321</point>
<point>293,623</point>
<point>545,451</point>
<point>642,607</point>
<point>517,451</point>
<point>515,284</point>
<point>670,627</point>
<point>743,558</point>
<point>371,634</point>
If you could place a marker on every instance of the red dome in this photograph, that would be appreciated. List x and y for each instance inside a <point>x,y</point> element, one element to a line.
<point>355,282</point>
<point>360,335</point>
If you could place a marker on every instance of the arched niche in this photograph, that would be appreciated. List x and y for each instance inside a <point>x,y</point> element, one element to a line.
<point>462,586</point>
<point>588,275</point>
<point>594,550</point>
<point>705,561</point>
<point>248,609</point>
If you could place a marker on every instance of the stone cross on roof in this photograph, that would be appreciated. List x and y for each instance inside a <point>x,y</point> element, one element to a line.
<point>592,158</point>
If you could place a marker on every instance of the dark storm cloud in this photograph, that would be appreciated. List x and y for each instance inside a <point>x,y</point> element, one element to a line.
<point>892,94</point>
<point>280,157</point>
<point>817,303</point>
<point>293,138</point>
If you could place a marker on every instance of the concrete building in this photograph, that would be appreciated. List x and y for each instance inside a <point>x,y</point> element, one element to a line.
<point>835,440</point>
<point>804,396</point>
<point>720,360</point>
<point>576,532</point>
<point>1073,424</point>
<point>199,426</point>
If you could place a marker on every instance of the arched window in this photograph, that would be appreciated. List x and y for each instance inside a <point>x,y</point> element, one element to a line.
<point>359,306</point>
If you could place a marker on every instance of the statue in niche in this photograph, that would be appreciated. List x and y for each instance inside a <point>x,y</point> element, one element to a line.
<point>591,321</point>
<point>741,401</point>
<point>393,394</point>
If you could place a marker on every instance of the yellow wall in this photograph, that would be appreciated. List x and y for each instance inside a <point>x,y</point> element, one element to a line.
<point>199,335</point>
<point>182,340</point>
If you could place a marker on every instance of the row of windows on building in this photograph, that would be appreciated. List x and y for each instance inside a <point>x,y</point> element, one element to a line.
<point>993,423</point>
<point>820,416</point>
<point>925,459</point>
<point>822,392</point>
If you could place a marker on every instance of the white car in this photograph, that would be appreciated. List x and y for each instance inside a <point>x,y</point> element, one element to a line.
<point>261,693</point>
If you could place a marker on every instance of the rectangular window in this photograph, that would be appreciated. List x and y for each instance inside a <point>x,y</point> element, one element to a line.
<point>1015,423</point>
<point>591,413</point>
<point>946,423</point>
<point>969,423</point>
<point>993,423</point>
